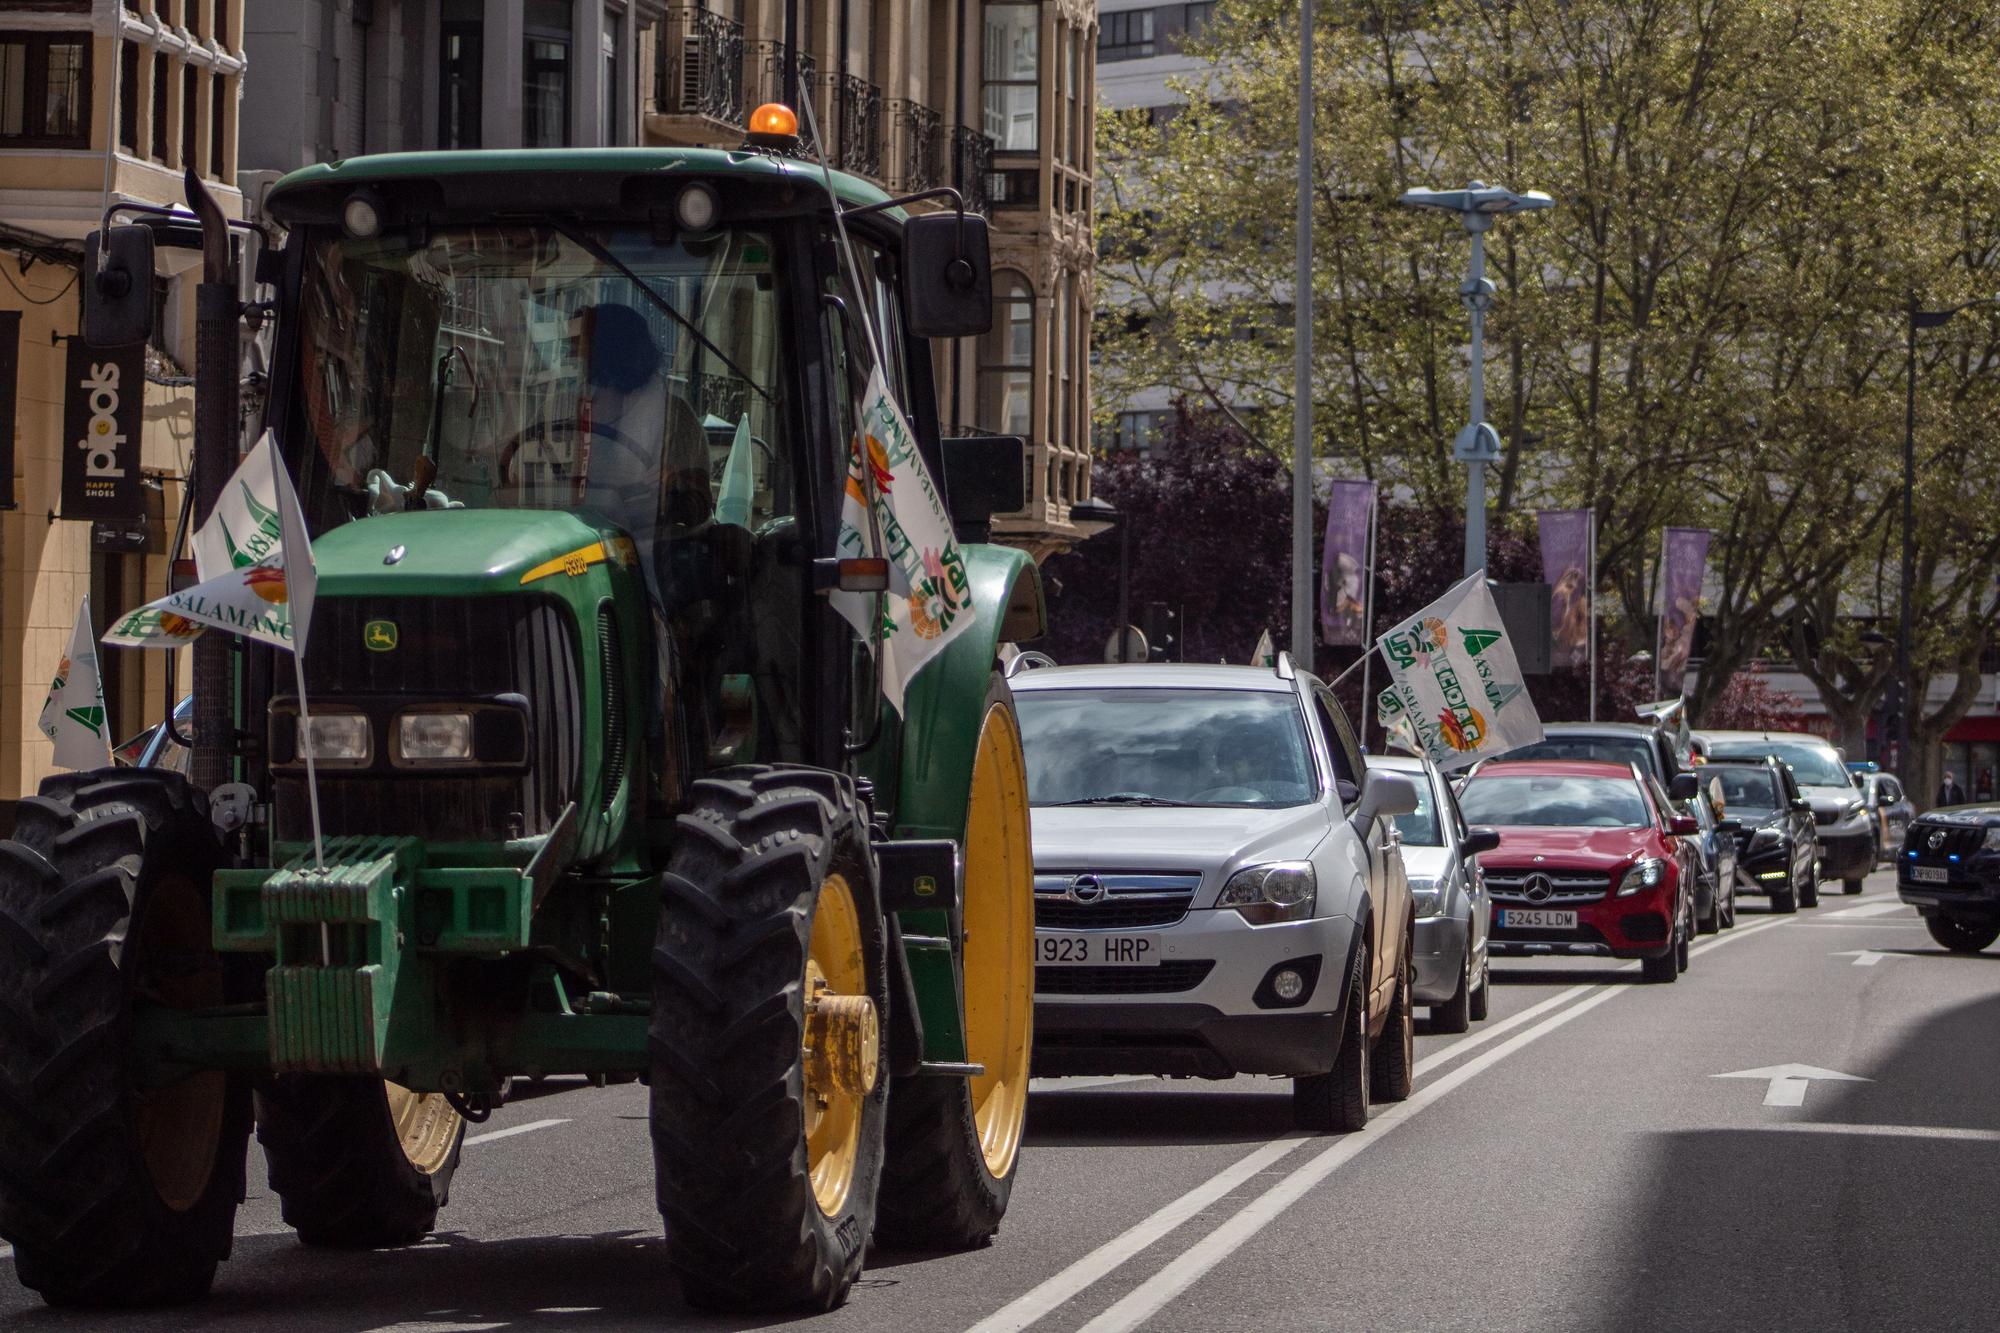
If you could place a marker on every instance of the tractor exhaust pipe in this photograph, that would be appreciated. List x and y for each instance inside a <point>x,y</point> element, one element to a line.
<point>216,448</point>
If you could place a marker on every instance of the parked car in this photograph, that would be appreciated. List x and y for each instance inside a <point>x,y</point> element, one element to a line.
<point>1448,894</point>
<point>1777,843</point>
<point>1949,871</point>
<point>1715,858</point>
<point>1593,859</point>
<point>1892,809</point>
<point>1846,829</point>
<point>1218,889</point>
<point>1648,745</point>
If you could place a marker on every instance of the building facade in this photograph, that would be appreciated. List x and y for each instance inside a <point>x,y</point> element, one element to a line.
<point>101,102</point>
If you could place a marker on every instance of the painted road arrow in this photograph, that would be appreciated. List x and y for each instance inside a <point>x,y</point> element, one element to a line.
<point>1788,1082</point>
<point>1863,957</point>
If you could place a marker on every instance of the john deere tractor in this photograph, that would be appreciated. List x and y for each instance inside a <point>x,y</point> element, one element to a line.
<point>606,775</point>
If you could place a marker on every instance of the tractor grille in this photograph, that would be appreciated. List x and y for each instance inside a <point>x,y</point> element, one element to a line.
<point>447,649</point>
<point>1160,979</point>
<point>1564,886</point>
<point>1112,901</point>
<point>611,658</point>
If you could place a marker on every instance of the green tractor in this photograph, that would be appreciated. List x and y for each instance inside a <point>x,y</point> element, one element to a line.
<point>608,782</point>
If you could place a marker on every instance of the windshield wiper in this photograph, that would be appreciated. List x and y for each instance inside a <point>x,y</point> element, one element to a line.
<point>1123,798</point>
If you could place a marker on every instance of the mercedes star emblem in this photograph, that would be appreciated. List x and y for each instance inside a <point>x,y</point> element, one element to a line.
<point>1537,889</point>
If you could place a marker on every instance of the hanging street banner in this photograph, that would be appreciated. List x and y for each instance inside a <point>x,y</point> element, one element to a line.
<point>73,714</point>
<point>1343,563</point>
<point>894,510</point>
<point>1566,569</point>
<point>1684,562</point>
<point>1454,681</point>
<point>104,399</point>
<point>243,528</point>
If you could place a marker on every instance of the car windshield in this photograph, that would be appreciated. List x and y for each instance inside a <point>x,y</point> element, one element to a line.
<point>1420,827</point>
<point>514,366</point>
<point>1812,765</point>
<point>1747,788</point>
<point>1561,802</point>
<point>1620,750</point>
<point>1165,747</point>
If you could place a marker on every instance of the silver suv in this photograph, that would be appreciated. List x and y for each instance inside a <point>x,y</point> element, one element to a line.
<point>1218,888</point>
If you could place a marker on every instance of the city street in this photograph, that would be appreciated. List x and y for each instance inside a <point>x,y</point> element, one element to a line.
<point>1575,1162</point>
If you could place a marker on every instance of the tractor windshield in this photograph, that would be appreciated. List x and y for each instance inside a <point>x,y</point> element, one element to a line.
<point>551,366</point>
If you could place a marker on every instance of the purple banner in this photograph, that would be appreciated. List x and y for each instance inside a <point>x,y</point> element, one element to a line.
<point>1343,565</point>
<point>1685,562</point>
<point>1566,569</point>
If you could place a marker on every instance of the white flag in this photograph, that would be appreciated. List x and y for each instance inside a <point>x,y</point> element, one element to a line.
<point>1265,654</point>
<point>243,528</point>
<point>1454,680</point>
<point>739,479</point>
<point>929,601</point>
<point>73,714</point>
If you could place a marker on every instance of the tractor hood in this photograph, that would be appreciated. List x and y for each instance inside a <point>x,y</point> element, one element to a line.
<point>463,552</point>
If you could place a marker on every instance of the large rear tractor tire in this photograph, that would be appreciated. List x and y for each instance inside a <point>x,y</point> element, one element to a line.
<point>358,1163</point>
<point>953,1142</point>
<point>114,1193</point>
<point>770,994</point>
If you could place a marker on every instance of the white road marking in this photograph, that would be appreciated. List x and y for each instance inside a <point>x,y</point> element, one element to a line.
<point>1788,1083</point>
<point>1870,909</point>
<point>1883,1131</point>
<point>1492,1031</point>
<point>1079,1084</point>
<point>1862,957</point>
<point>512,1130</point>
<point>1864,925</point>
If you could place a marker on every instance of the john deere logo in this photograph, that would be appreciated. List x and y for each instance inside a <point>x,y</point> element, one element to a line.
<point>380,636</point>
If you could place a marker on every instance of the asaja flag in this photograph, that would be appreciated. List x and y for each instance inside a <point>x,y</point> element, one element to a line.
<point>739,479</point>
<point>244,528</point>
<point>1265,654</point>
<point>929,602</point>
<point>1454,681</point>
<point>73,714</point>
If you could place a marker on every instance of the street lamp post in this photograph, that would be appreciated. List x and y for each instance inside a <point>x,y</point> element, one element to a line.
<point>1478,444</point>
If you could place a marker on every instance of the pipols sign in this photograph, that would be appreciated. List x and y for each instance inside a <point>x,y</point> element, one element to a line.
<point>104,394</point>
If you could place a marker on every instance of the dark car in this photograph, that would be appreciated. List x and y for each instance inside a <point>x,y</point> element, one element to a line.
<point>1594,859</point>
<point>1949,871</point>
<point>1891,807</point>
<point>1777,843</point>
<point>1650,747</point>
<point>1845,827</point>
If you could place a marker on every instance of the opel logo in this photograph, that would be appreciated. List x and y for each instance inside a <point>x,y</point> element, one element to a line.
<point>1085,890</point>
<point>1936,840</point>
<point>1537,889</point>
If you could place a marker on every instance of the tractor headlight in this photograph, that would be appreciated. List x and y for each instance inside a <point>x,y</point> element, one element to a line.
<point>434,738</point>
<point>1278,891</point>
<point>336,738</point>
<point>1645,874</point>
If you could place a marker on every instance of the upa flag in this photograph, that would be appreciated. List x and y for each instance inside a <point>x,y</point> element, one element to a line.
<point>893,510</point>
<point>73,714</point>
<point>1684,562</point>
<point>1343,563</point>
<point>1454,681</point>
<point>243,529</point>
<point>1566,569</point>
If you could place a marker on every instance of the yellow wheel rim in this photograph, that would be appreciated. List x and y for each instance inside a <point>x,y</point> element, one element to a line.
<point>425,1125</point>
<point>180,1125</point>
<point>999,938</point>
<point>841,1044</point>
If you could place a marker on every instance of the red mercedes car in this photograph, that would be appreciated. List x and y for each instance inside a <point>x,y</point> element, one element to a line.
<point>1593,860</point>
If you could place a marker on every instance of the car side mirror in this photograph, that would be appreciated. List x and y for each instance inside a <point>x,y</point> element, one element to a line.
<point>984,475</point>
<point>1384,793</point>
<point>947,276</point>
<point>1685,787</point>
<point>1683,826</point>
<point>1801,804</point>
<point>118,300</point>
<point>1728,826</point>
<point>1477,840</point>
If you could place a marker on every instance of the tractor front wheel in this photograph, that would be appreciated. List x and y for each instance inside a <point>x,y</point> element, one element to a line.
<point>358,1163</point>
<point>953,1141</point>
<point>770,993</point>
<point>114,1191</point>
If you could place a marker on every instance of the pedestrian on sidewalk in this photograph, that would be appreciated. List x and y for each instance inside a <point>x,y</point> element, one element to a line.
<point>1949,791</point>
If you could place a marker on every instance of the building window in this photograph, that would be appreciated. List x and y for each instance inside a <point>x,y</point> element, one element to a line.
<point>1199,16</point>
<point>45,90</point>
<point>545,75</point>
<point>460,75</point>
<point>1126,36</point>
<point>1059,372</point>
<point>612,115</point>
<point>1133,430</point>
<point>1017,188</point>
<point>222,24</point>
<point>1012,47</point>
<point>128,96</point>
<point>1007,359</point>
<point>1072,91</point>
<point>218,102</point>
<point>160,86</point>
<point>190,116</point>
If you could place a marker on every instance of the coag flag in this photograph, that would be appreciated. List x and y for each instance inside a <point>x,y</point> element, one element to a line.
<point>1684,562</point>
<point>244,528</point>
<point>1454,680</point>
<point>73,714</point>
<point>1343,563</point>
<point>893,509</point>
<point>1566,569</point>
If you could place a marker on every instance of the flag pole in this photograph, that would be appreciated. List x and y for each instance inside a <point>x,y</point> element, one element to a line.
<point>1368,614</point>
<point>1367,655</point>
<point>1590,637</point>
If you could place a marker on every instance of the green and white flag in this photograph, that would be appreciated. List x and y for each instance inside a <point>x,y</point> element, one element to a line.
<point>739,479</point>
<point>73,714</point>
<point>893,509</point>
<point>1454,681</point>
<point>244,528</point>
<point>1265,654</point>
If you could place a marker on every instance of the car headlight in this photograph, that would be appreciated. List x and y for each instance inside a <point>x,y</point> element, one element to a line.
<point>1277,891</point>
<point>1853,810</point>
<point>336,738</point>
<point>1426,895</point>
<point>1646,873</point>
<point>1992,843</point>
<point>434,738</point>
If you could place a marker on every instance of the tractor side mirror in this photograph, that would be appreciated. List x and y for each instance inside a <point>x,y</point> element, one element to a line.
<point>984,475</point>
<point>1476,840</point>
<point>947,276</point>
<point>118,301</point>
<point>1685,787</point>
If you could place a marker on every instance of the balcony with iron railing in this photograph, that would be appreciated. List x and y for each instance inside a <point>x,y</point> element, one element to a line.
<point>972,167</point>
<point>917,141</point>
<point>698,74</point>
<point>857,105</point>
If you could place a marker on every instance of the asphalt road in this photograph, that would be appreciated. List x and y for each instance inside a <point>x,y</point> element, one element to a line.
<point>1573,1163</point>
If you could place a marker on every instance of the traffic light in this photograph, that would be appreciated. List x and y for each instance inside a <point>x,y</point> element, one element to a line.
<point>1161,624</point>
